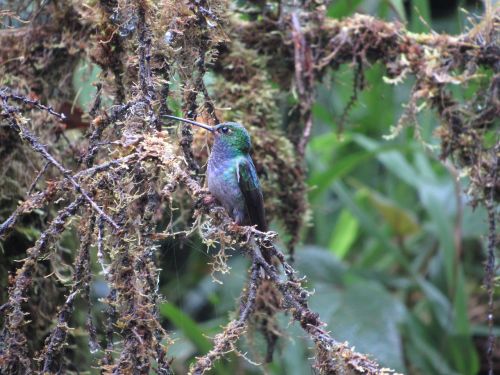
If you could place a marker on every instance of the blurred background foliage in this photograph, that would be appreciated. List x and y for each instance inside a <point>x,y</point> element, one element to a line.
<point>393,253</point>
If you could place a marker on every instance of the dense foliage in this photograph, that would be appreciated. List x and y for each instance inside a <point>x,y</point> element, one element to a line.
<point>377,144</point>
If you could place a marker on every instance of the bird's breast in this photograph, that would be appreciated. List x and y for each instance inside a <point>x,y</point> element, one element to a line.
<point>223,183</point>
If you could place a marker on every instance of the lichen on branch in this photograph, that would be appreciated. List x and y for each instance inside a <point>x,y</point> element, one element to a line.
<point>117,181</point>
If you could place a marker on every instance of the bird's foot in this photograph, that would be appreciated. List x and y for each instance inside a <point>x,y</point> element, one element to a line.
<point>235,227</point>
<point>209,199</point>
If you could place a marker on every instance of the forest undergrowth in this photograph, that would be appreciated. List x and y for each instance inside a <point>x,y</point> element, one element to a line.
<point>124,173</point>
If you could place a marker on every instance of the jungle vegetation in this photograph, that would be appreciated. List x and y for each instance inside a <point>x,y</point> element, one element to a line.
<point>375,132</point>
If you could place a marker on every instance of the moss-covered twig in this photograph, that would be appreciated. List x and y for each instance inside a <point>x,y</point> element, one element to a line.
<point>81,285</point>
<point>13,351</point>
<point>15,124</point>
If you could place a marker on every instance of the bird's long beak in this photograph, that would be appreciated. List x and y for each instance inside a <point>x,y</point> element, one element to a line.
<point>206,127</point>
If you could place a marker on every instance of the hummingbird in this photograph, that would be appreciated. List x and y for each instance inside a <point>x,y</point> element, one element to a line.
<point>233,181</point>
<point>231,175</point>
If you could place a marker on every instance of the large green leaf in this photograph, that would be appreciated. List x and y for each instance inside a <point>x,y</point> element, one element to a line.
<point>402,222</point>
<point>399,8</point>
<point>351,314</point>
<point>462,346</point>
<point>344,234</point>
<point>339,168</point>
<point>370,224</point>
<point>442,228</point>
<point>439,304</point>
<point>393,160</point>
<point>84,77</point>
<point>187,325</point>
<point>420,16</point>
<point>319,264</point>
<point>351,304</point>
<point>295,351</point>
<point>342,8</point>
<point>421,350</point>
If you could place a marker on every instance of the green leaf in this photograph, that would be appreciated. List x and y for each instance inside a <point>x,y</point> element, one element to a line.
<point>370,224</point>
<point>463,348</point>
<point>321,112</point>
<point>402,222</point>
<point>442,228</point>
<point>84,77</point>
<point>187,325</point>
<point>350,303</point>
<point>346,164</point>
<point>344,234</point>
<point>342,8</point>
<point>294,352</point>
<point>325,145</point>
<point>424,167</point>
<point>420,16</point>
<point>440,305</point>
<point>340,168</point>
<point>421,350</point>
<point>394,161</point>
<point>453,320</point>
<point>319,263</point>
<point>399,8</point>
<point>351,312</point>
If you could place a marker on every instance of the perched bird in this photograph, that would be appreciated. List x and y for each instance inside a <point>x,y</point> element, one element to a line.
<point>233,181</point>
<point>231,174</point>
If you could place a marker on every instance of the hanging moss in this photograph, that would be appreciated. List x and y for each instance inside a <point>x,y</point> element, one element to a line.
<point>111,174</point>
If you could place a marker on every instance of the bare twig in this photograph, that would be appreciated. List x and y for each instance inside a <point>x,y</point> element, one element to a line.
<point>37,178</point>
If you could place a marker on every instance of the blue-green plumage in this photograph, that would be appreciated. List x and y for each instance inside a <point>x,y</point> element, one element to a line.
<point>231,174</point>
<point>232,178</point>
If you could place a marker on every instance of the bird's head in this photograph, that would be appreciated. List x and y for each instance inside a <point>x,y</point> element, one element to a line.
<point>233,135</point>
<point>230,135</point>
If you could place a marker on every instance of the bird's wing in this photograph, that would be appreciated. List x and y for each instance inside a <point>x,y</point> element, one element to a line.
<point>250,187</point>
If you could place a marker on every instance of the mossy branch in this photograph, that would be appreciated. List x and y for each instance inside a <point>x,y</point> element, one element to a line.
<point>136,161</point>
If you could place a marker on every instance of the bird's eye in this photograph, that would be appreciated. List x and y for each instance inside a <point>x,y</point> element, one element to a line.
<point>224,129</point>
